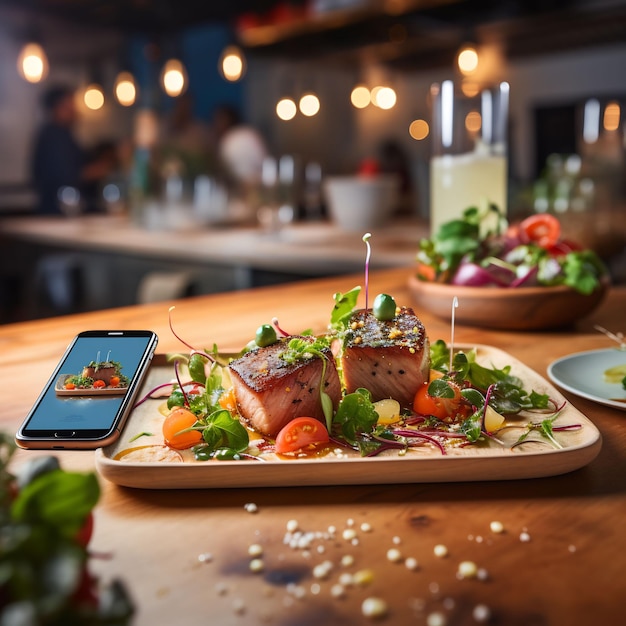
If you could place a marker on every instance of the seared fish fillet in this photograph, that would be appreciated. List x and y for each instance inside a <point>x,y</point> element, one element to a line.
<point>270,392</point>
<point>390,358</point>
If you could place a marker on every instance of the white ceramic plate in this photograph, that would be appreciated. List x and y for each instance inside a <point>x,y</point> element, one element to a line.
<point>583,374</point>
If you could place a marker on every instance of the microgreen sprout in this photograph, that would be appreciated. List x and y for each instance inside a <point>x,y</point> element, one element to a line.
<point>276,325</point>
<point>455,305</point>
<point>546,429</point>
<point>180,385</point>
<point>366,240</point>
<point>210,357</point>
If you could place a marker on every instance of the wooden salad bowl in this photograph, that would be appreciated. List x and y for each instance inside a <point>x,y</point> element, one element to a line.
<point>519,308</point>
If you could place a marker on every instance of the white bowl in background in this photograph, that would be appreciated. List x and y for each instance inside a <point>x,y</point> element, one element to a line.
<point>358,203</point>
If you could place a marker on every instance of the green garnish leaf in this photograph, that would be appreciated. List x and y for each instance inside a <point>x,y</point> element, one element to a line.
<point>440,388</point>
<point>139,435</point>
<point>471,426</point>
<point>196,367</point>
<point>57,498</point>
<point>223,431</point>
<point>356,414</point>
<point>344,305</point>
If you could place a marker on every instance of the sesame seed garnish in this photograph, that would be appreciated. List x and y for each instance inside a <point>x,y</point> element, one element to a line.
<point>239,606</point>
<point>363,577</point>
<point>481,613</point>
<point>255,549</point>
<point>347,560</point>
<point>467,569</point>
<point>436,619</point>
<point>411,563</point>
<point>394,555</point>
<point>440,550</point>
<point>496,527</point>
<point>374,607</point>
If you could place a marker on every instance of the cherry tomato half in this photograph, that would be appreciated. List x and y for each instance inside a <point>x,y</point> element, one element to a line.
<point>543,229</point>
<point>177,421</point>
<point>441,408</point>
<point>299,433</point>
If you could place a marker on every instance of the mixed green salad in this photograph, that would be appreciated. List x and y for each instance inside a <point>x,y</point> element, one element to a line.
<point>532,253</point>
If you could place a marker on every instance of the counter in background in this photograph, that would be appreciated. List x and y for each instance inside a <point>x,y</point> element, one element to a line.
<point>119,263</point>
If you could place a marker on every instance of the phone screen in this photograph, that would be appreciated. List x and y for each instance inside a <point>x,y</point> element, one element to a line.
<point>92,386</point>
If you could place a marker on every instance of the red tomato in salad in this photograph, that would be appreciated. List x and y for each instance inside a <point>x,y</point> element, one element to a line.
<point>441,408</point>
<point>543,229</point>
<point>300,433</point>
<point>564,246</point>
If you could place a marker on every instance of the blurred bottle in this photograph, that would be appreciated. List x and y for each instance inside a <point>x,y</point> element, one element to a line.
<point>287,190</point>
<point>142,183</point>
<point>267,212</point>
<point>312,192</point>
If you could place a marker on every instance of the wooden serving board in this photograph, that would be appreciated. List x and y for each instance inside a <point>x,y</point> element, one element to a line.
<point>142,461</point>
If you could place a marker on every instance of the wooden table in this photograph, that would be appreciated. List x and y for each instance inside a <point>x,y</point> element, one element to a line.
<point>184,554</point>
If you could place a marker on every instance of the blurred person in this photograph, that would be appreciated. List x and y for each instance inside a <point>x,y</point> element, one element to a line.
<point>185,139</point>
<point>58,160</point>
<point>240,148</point>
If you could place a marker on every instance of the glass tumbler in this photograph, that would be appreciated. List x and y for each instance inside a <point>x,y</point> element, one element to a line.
<point>468,165</point>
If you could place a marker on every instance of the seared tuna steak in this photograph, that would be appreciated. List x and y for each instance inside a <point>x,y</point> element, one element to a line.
<point>390,358</point>
<point>270,392</point>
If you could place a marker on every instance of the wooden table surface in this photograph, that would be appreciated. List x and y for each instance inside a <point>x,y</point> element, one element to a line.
<point>184,554</point>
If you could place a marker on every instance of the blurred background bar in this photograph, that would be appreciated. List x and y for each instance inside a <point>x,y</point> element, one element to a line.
<point>177,105</point>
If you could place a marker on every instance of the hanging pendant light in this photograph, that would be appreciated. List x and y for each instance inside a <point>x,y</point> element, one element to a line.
<point>174,78</point>
<point>286,109</point>
<point>232,64</point>
<point>467,59</point>
<point>125,89</point>
<point>32,63</point>
<point>93,97</point>
<point>309,104</point>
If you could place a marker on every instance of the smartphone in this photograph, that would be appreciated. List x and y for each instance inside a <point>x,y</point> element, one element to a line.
<point>92,391</point>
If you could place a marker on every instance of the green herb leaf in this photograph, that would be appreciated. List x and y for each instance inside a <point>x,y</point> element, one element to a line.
<point>139,435</point>
<point>223,431</point>
<point>356,414</point>
<point>440,388</point>
<point>57,498</point>
<point>344,305</point>
<point>471,426</point>
<point>196,367</point>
